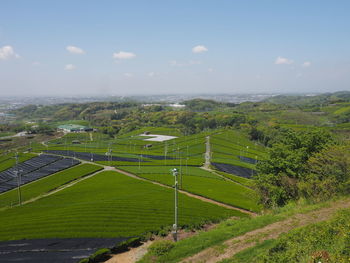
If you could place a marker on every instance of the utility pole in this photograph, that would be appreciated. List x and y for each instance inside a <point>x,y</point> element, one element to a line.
<point>17,172</point>
<point>165,152</point>
<point>175,173</point>
<point>180,173</point>
<point>140,157</point>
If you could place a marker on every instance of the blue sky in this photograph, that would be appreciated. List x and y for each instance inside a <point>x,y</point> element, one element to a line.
<point>139,47</point>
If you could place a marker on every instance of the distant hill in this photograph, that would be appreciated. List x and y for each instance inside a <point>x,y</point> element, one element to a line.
<point>311,101</point>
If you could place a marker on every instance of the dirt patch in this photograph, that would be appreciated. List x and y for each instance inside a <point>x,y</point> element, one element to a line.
<point>272,231</point>
<point>135,254</point>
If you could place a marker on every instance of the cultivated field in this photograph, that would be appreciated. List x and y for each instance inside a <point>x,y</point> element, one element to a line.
<point>46,184</point>
<point>108,204</point>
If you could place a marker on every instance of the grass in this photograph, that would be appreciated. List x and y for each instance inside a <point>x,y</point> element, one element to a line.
<point>244,181</point>
<point>341,110</point>
<point>251,254</point>
<point>226,230</point>
<point>5,134</point>
<point>326,241</point>
<point>228,145</point>
<point>8,161</point>
<point>108,204</point>
<point>204,183</point>
<point>46,184</point>
<point>189,170</point>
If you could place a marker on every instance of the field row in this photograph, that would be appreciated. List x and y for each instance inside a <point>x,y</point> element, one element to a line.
<point>46,184</point>
<point>106,205</point>
<point>204,183</point>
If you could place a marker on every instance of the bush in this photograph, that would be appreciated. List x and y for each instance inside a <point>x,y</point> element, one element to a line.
<point>125,245</point>
<point>161,247</point>
<point>100,255</point>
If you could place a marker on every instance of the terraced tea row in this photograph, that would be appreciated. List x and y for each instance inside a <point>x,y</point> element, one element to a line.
<point>46,184</point>
<point>204,183</point>
<point>106,205</point>
<point>33,169</point>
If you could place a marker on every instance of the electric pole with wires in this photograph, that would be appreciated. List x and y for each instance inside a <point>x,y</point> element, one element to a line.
<point>175,174</point>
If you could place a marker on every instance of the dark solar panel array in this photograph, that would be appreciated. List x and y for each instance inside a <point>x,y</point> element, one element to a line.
<point>235,170</point>
<point>96,157</point>
<point>33,169</point>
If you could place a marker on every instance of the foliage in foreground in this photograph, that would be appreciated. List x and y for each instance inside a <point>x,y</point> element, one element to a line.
<point>279,175</point>
<point>324,242</point>
<point>227,229</point>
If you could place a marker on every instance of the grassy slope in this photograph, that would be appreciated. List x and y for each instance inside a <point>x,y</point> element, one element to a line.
<point>132,145</point>
<point>226,230</point>
<point>46,184</point>
<point>206,184</point>
<point>7,161</point>
<point>238,179</point>
<point>106,205</point>
<point>228,145</point>
<point>302,245</point>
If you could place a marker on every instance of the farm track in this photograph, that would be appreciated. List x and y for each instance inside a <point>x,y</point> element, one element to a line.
<point>272,231</point>
<point>208,200</point>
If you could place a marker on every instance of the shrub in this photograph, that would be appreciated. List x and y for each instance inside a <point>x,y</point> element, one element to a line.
<point>125,245</point>
<point>161,247</point>
<point>100,255</point>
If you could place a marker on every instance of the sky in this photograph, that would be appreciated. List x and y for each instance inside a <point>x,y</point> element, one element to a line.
<point>90,47</point>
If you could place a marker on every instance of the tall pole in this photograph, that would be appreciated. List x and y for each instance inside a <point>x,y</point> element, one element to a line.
<point>18,181</point>
<point>139,162</point>
<point>180,173</point>
<point>165,152</point>
<point>175,173</point>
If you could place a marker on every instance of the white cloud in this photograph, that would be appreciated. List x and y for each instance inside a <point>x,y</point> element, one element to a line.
<point>7,52</point>
<point>75,50</point>
<point>70,67</point>
<point>123,55</point>
<point>199,49</point>
<point>128,75</point>
<point>282,60</point>
<point>36,63</point>
<point>306,64</point>
<point>210,70</point>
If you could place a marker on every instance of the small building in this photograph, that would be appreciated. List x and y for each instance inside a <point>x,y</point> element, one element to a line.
<point>74,128</point>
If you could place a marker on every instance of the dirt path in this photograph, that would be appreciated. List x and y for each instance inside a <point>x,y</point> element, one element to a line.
<point>135,254</point>
<point>131,256</point>
<point>91,138</point>
<point>272,231</point>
